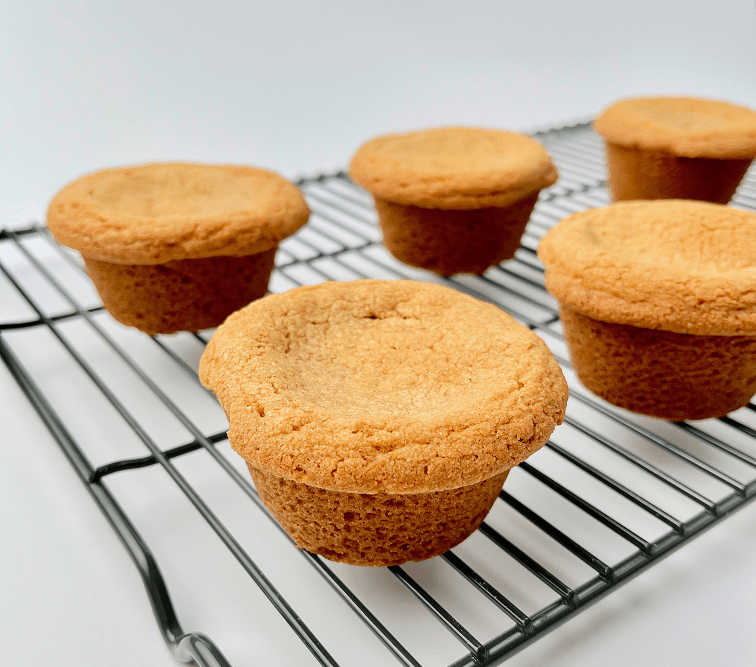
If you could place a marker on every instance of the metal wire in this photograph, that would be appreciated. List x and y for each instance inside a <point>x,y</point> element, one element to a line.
<point>341,241</point>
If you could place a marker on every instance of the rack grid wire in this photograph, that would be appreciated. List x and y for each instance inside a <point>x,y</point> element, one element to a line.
<point>609,495</point>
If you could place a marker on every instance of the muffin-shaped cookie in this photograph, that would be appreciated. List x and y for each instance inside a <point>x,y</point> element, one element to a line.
<point>658,304</point>
<point>677,148</point>
<point>380,419</point>
<point>177,247</point>
<point>453,199</point>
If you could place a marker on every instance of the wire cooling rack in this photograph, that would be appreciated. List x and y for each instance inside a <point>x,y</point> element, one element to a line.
<point>610,494</point>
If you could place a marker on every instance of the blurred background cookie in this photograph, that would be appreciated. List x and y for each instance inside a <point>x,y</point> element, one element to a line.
<point>453,199</point>
<point>677,148</point>
<point>177,247</point>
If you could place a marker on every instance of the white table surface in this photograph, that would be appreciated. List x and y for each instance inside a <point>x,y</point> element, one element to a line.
<point>296,87</point>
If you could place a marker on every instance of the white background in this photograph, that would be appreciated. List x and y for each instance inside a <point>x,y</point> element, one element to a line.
<point>296,87</point>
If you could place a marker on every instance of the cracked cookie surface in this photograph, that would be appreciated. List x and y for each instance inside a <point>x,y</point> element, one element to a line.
<point>682,266</point>
<point>156,213</point>
<point>459,168</point>
<point>382,386</point>
<point>682,126</point>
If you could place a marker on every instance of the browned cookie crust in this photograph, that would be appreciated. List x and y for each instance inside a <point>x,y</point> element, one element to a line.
<point>454,199</point>
<point>449,242</point>
<point>639,174</point>
<point>658,304</point>
<point>373,387</point>
<point>174,247</point>
<point>660,373</point>
<point>677,148</point>
<point>181,295</point>
<point>376,528</point>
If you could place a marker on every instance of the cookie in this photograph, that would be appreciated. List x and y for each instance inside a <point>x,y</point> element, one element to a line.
<point>174,247</point>
<point>360,407</point>
<point>657,304</point>
<point>677,148</point>
<point>454,199</point>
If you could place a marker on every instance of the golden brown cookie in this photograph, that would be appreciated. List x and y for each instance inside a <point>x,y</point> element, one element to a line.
<point>660,373</point>
<point>453,199</point>
<point>658,304</point>
<point>390,390</point>
<point>376,528</point>
<point>677,148</point>
<point>175,247</point>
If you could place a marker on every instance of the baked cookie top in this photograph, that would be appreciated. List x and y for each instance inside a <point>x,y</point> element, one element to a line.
<point>156,213</point>
<point>682,126</point>
<point>377,386</point>
<point>453,168</point>
<point>678,265</point>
